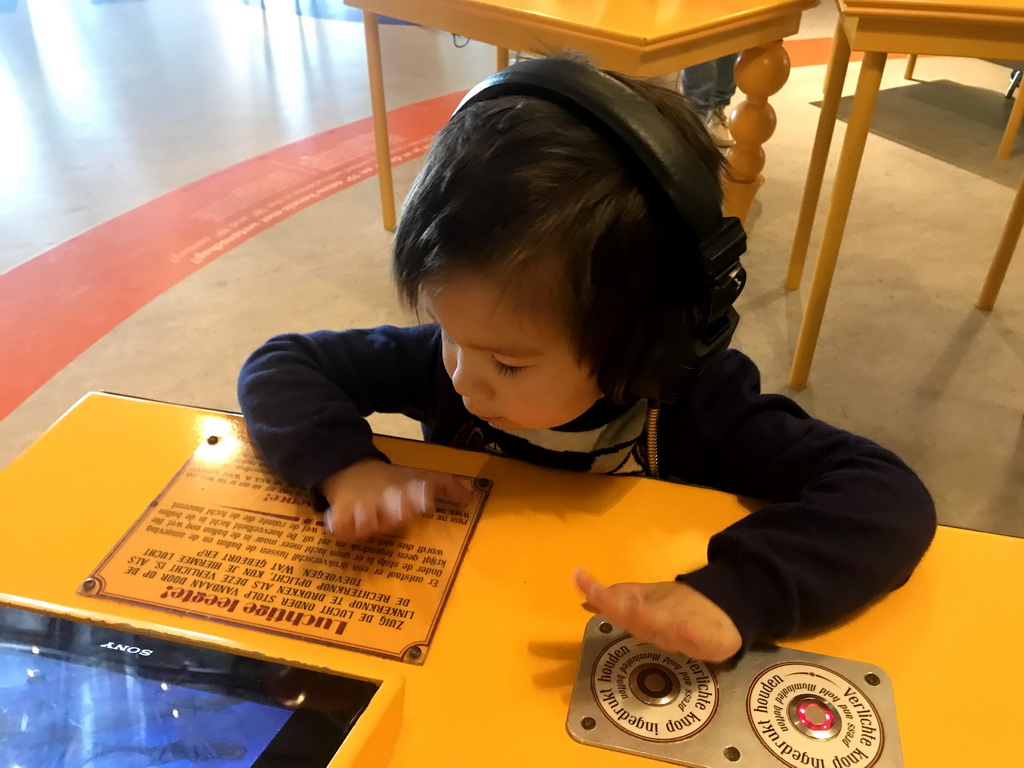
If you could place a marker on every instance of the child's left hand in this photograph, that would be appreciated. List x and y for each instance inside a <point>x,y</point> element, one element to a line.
<point>671,615</point>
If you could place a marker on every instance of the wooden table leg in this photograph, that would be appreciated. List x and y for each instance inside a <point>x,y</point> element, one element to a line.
<point>1012,126</point>
<point>502,58</point>
<point>1004,251</point>
<point>380,119</point>
<point>838,62</point>
<point>760,72</point>
<point>839,207</point>
<point>908,73</point>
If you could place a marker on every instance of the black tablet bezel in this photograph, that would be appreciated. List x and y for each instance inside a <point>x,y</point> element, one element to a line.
<point>324,707</point>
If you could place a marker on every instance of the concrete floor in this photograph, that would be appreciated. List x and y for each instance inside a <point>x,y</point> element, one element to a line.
<point>106,107</point>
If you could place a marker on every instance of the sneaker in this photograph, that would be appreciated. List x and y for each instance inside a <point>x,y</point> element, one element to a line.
<point>718,126</point>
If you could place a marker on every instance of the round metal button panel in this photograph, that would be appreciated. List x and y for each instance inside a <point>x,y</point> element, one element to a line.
<point>653,695</point>
<point>805,714</point>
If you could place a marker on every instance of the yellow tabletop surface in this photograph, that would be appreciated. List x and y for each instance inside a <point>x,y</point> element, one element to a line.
<point>495,687</point>
<point>979,9</point>
<point>969,28</point>
<point>639,37</point>
<point>643,21</point>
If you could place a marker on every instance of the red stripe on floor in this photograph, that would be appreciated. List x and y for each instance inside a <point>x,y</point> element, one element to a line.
<point>57,305</point>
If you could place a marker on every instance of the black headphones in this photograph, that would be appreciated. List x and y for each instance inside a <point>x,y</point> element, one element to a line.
<point>674,179</point>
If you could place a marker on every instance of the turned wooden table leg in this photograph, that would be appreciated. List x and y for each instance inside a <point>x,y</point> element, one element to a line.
<point>380,119</point>
<point>760,72</point>
<point>838,63</point>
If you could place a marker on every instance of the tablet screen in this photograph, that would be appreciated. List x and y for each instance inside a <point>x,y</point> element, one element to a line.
<point>77,696</point>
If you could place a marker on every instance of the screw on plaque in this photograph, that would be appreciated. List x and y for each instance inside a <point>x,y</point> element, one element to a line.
<point>872,679</point>
<point>415,653</point>
<point>89,585</point>
<point>605,627</point>
<point>731,754</point>
<point>213,439</point>
<point>588,723</point>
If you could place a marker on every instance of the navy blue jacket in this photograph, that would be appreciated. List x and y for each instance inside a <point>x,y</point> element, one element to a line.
<point>838,504</point>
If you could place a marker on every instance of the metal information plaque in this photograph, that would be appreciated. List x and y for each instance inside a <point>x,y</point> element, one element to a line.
<point>228,541</point>
<point>774,706</point>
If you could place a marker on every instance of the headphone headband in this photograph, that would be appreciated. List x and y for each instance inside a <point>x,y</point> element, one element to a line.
<point>624,119</point>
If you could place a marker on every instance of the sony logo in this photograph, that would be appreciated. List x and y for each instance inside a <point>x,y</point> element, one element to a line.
<point>127,648</point>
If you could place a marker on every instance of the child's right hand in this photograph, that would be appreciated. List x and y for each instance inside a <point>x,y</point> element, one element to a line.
<point>372,496</point>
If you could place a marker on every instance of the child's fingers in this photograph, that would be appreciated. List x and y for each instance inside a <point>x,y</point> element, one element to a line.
<point>396,506</point>
<point>400,505</point>
<point>583,583</point>
<point>451,488</point>
<point>393,505</point>
<point>460,490</point>
<point>365,521</point>
<point>587,584</point>
<point>339,523</point>
<point>413,501</point>
<point>618,603</point>
<point>419,497</point>
<point>584,579</point>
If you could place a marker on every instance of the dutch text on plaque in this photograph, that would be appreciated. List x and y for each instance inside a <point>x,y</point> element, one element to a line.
<point>228,541</point>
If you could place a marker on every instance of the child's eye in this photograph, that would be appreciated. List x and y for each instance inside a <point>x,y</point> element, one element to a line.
<point>507,370</point>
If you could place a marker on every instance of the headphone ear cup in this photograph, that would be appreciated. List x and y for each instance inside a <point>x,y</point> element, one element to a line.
<point>671,363</point>
<point>662,369</point>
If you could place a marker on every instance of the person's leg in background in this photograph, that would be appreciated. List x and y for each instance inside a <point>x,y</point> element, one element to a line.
<point>710,87</point>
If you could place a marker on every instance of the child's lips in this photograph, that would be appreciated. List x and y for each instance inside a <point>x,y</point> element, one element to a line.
<point>482,417</point>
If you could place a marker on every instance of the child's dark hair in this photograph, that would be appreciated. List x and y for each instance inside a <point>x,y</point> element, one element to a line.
<point>518,189</point>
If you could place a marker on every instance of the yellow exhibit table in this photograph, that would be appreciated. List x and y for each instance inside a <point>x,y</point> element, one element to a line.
<point>642,39</point>
<point>494,686</point>
<point>978,28</point>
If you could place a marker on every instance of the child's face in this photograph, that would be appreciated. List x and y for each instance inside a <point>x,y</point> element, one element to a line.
<point>513,369</point>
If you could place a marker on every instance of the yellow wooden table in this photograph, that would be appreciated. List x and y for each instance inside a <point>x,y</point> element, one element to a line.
<point>643,38</point>
<point>495,688</point>
<point>972,28</point>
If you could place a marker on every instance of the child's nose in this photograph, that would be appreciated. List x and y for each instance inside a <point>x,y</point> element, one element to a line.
<point>468,381</point>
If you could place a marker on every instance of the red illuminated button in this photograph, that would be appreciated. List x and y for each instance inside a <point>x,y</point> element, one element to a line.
<point>814,717</point>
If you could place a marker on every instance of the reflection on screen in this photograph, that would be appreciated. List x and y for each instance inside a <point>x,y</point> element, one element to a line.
<point>58,714</point>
